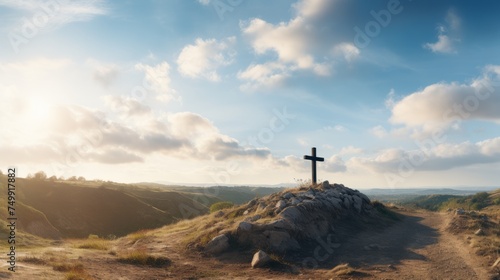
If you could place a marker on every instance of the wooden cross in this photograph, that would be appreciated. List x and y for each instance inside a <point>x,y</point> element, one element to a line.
<point>313,158</point>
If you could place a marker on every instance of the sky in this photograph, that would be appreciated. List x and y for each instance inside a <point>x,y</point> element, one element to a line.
<point>225,92</point>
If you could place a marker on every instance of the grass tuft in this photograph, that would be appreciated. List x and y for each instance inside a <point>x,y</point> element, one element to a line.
<point>141,258</point>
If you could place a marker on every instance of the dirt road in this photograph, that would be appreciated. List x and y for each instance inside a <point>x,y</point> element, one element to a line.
<point>416,248</point>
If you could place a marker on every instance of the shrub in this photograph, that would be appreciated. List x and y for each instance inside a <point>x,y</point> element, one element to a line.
<point>141,258</point>
<point>220,205</point>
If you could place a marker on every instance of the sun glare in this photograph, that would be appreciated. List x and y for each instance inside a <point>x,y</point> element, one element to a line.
<point>38,110</point>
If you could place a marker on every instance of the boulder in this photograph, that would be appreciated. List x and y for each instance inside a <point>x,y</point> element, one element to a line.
<point>280,241</point>
<point>287,195</point>
<point>218,244</point>
<point>244,226</point>
<point>280,205</point>
<point>358,203</point>
<point>260,259</point>
<point>295,201</point>
<point>326,184</point>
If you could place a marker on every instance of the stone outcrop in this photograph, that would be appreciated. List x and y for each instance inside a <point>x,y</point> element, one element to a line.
<point>218,244</point>
<point>285,221</point>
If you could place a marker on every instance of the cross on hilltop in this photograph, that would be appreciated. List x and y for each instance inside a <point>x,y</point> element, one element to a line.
<point>313,158</point>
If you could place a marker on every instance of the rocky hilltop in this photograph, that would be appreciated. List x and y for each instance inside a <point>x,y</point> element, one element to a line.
<point>288,222</point>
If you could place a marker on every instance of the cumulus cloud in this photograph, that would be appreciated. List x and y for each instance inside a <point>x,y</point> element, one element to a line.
<point>202,59</point>
<point>334,164</point>
<point>75,134</point>
<point>158,79</point>
<point>440,157</point>
<point>379,131</point>
<point>444,104</point>
<point>266,75</point>
<point>448,35</point>
<point>297,44</point>
<point>126,106</point>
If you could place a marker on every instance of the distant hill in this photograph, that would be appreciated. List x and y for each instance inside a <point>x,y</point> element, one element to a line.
<point>76,209</point>
<point>437,202</point>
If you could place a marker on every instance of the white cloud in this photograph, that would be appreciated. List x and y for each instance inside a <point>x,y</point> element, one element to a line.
<point>158,79</point>
<point>202,59</point>
<point>334,164</point>
<point>347,50</point>
<point>440,157</point>
<point>379,131</point>
<point>72,135</point>
<point>296,44</point>
<point>444,104</point>
<point>350,150</point>
<point>311,8</point>
<point>448,35</point>
<point>60,12</point>
<point>265,75</point>
<point>126,106</point>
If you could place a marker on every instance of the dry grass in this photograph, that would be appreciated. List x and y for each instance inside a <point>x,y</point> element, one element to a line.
<point>94,243</point>
<point>343,269</point>
<point>33,260</point>
<point>487,244</point>
<point>73,271</point>
<point>138,235</point>
<point>142,258</point>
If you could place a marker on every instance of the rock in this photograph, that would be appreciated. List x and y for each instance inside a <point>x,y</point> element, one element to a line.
<point>244,226</point>
<point>280,241</point>
<point>218,244</point>
<point>347,202</point>
<point>288,195</point>
<point>279,224</point>
<point>260,259</point>
<point>280,205</point>
<point>364,197</point>
<point>326,184</point>
<point>295,201</point>
<point>292,214</point>
<point>358,203</point>
<point>479,232</point>
<point>460,211</point>
<point>337,203</point>
<point>246,212</point>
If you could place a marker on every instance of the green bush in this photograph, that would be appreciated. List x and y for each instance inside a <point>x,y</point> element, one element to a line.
<point>220,205</point>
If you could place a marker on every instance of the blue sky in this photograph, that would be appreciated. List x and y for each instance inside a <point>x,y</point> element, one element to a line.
<point>392,93</point>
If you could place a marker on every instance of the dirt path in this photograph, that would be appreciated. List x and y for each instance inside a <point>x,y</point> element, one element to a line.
<point>417,248</point>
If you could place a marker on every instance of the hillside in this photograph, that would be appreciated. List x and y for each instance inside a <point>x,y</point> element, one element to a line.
<point>60,208</point>
<point>437,202</point>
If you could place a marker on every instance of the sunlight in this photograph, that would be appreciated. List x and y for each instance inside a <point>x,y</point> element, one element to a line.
<point>38,110</point>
